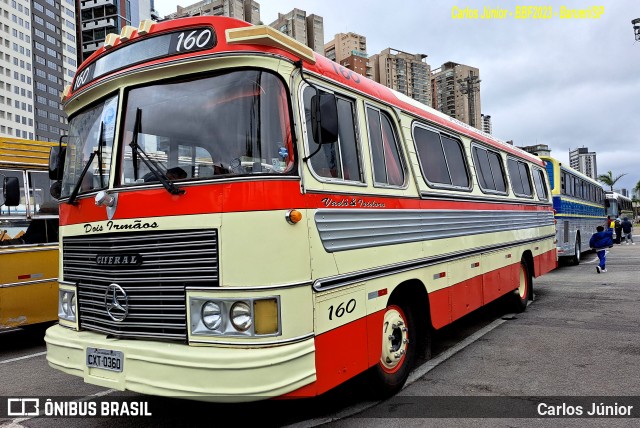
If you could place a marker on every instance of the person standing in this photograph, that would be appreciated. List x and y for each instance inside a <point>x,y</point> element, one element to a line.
<point>627,230</point>
<point>600,241</point>
<point>618,229</point>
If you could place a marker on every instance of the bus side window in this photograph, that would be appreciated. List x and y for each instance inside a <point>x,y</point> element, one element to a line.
<point>442,159</point>
<point>387,165</point>
<point>340,160</point>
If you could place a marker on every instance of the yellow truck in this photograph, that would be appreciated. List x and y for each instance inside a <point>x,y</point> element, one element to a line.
<point>28,235</point>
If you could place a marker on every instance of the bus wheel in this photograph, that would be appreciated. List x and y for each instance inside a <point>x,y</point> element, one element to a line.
<point>398,352</point>
<point>523,292</point>
<point>575,260</point>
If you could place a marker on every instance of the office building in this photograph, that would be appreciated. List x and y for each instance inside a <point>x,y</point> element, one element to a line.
<point>405,72</point>
<point>486,123</point>
<point>308,30</point>
<point>16,70</point>
<point>38,58</point>
<point>583,160</point>
<point>538,149</point>
<point>350,51</point>
<point>456,92</point>
<point>101,17</point>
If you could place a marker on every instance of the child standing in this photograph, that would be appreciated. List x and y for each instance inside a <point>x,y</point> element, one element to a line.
<point>600,241</point>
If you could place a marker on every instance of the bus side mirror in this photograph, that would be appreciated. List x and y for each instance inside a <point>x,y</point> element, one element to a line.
<point>56,189</point>
<point>324,118</point>
<point>606,203</point>
<point>56,162</point>
<point>11,191</point>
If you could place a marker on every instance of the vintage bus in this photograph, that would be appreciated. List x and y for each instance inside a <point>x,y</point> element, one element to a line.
<point>242,219</point>
<point>579,204</point>
<point>28,235</point>
<point>619,206</point>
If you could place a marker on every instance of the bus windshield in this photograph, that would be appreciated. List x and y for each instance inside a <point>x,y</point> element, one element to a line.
<point>237,123</point>
<point>86,129</point>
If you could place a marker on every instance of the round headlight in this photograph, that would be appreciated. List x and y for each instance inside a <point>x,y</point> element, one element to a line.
<point>241,316</point>
<point>65,303</point>
<point>211,315</point>
<point>73,304</point>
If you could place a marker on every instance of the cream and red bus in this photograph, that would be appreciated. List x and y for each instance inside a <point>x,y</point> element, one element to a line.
<point>242,219</point>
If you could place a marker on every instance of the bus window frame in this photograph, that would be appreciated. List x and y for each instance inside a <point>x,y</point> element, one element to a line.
<point>528,175</point>
<point>421,124</point>
<point>118,178</point>
<point>357,134</point>
<point>399,145</point>
<point>507,191</point>
<point>542,174</point>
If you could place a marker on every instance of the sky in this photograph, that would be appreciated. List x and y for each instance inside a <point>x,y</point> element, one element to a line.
<point>563,82</point>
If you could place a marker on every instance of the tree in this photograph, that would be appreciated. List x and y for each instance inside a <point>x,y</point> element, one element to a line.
<point>608,179</point>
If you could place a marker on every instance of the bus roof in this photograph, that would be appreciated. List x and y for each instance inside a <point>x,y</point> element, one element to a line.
<point>235,35</point>
<point>571,170</point>
<point>20,153</point>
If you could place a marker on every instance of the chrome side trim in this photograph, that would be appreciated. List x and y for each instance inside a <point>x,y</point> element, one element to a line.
<point>349,229</point>
<point>258,344</point>
<point>18,284</point>
<point>338,281</point>
<point>223,289</point>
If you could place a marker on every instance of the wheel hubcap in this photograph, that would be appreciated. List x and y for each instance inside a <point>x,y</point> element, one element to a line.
<point>522,289</point>
<point>395,339</point>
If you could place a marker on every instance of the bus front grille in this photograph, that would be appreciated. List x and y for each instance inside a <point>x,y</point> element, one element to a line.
<point>132,285</point>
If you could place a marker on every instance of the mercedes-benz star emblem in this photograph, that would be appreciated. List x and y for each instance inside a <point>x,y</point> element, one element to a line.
<point>116,302</point>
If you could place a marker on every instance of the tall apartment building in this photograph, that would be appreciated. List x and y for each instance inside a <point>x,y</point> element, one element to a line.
<point>308,30</point>
<point>37,59</point>
<point>246,10</point>
<point>101,17</point>
<point>583,160</point>
<point>486,123</point>
<point>16,70</point>
<point>456,92</point>
<point>405,72</point>
<point>350,51</point>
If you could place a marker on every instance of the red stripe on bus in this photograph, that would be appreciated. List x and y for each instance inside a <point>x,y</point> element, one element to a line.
<point>255,196</point>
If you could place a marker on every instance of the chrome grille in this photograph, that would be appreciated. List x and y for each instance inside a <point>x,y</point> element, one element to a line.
<point>155,288</point>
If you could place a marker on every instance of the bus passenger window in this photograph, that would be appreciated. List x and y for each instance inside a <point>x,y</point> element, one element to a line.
<point>541,187</point>
<point>489,170</point>
<point>519,175</point>
<point>340,160</point>
<point>387,166</point>
<point>442,159</point>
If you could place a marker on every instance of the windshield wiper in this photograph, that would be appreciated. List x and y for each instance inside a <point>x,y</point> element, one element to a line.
<point>135,148</point>
<point>98,152</point>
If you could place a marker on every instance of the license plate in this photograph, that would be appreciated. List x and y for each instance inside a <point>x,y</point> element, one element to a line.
<point>105,359</point>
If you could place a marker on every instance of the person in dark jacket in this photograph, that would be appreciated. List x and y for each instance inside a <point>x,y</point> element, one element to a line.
<point>618,229</point>
<point>627,230</point>
<point>600,241</point>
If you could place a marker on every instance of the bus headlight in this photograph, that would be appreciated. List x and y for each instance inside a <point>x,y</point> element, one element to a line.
<point>67,305</point>
<point>241,316</point>
<point>211,315</point>
<point>234,317</point>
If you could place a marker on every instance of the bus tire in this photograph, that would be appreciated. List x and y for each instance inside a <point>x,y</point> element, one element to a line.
<point>575,260</point>
<point>399,344</point>
<point>524,291</point>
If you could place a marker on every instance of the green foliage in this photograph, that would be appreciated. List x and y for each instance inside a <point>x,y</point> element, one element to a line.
<point>608,179</point>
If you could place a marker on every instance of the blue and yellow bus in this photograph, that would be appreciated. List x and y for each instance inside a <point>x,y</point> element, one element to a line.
<point>579,204</point>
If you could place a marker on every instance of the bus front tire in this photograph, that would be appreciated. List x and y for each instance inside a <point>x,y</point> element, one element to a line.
<point>575,260</point>
<point>522,294</point>
<point>399,344</point>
